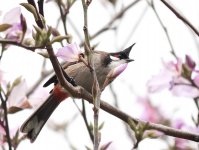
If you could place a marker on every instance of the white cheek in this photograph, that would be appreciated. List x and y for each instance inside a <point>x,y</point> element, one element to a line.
<point>115,64</point>
<point>114,58</point>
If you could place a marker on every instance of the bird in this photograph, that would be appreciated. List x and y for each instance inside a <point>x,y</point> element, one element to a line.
<point>107,67</point>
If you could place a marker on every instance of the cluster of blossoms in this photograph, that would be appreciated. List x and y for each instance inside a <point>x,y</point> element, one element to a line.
<point>182,79</point>
<point>151,113</point>
<point>15,25</point>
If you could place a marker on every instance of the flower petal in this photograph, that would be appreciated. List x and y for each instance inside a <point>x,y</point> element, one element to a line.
<point>149,112</point>
<point>17,96</point>
<point>2,130</point>
<point>159,82</point>
<point>185,91</point>
<point>12,16</point>
<point>69,53</point>
<point>196,80</point>
<point>189,62</point>
<point>15,32</point>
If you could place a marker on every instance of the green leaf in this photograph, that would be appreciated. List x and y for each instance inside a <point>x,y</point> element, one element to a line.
<point>16,81</point>
<point>101,126</point>
<point>44,54</point>
<point>4,27</point>
<point>91,126</point>
<point>49,32</point>
<point>38,29</point>
<point>59,38</point>
<point>132,124</point>
<point>88,148</point>
<point>14,109</point>
<point>31,9</point>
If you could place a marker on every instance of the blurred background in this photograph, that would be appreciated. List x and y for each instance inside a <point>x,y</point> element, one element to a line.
<point>143,24</point>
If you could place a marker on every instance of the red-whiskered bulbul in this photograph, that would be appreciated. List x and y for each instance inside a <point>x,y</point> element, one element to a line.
<point>105,66</point>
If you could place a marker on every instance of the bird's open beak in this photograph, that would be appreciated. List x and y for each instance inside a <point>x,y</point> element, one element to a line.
<point>129,60</point>
<point>128,50</point>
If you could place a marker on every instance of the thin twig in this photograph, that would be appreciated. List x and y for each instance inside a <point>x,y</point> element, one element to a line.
<point>83,113</point>
<point>79,92</point>
<point>150,126</point>
<point>116,17</point>
<point>32,2</point>
<point>86,121</point>
<point>39,21</point>
<point>183,19</point>
<point>55,63</point>
<point>95,89</point>
<point>41,7</point>
<point>11,42</point>
<point>4,106</point>
<point>63,17</point>
<point>163,27</point>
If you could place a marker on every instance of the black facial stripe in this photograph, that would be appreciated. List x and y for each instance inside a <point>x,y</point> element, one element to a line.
<point>107,60</point>
<point>123,56</point>
<point>120,55</point>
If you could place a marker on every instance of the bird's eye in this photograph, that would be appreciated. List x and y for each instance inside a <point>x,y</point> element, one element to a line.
<point>114,58</point>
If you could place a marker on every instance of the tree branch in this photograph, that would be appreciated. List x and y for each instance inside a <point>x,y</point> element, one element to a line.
<point>95,88</point>
<point>41,7</point>
<point>181,17</point>
<point>4,106</point>
<point>150,126</point>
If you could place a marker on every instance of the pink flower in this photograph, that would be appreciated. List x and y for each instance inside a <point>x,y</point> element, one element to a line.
<point>17,99</point>
<point>17,91</point>
<point>14,33</point>
<point>165,77</point>
<point>176,77</point>
<point>38,97</point>
<point>183,144</point>
<point>105,146</point>
<point>184,88</point>
<point>13,17</point>
<point>196,80</point>
<point>149,112</point>
<point>69,53</point>
<point>190,62</point>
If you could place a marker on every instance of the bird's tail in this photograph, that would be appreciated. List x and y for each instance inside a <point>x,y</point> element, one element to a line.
<point>33,125</point>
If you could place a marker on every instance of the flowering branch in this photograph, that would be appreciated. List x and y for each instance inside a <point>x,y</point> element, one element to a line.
<point>12,42</point>
<point>150,126</point>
